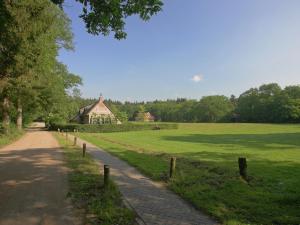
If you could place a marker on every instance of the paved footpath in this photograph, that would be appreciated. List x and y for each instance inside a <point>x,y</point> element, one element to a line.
<point>33,183</point>
<point>154,204</point>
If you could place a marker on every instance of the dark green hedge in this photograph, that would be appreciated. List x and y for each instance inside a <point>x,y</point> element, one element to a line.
<point>108,128</point>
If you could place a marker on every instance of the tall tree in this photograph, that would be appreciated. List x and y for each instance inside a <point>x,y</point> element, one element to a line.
<point>36,30</point>
<point>214,108</point>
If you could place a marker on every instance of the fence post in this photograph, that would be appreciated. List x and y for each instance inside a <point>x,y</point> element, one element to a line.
<point>172,167</point>
<point>75,141</point>
<point>66,135</point>
<point>83,149</point>
<point>243,167</point>
<point>106,175</point>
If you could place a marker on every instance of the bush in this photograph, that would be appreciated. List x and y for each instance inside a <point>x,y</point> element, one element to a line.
<point>108,128</point>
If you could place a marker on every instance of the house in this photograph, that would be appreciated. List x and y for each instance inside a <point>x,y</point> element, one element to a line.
<point>96,113</point>
<point>144,117</point>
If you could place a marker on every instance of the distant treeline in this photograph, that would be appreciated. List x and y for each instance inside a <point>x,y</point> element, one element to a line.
<point>268,104</point>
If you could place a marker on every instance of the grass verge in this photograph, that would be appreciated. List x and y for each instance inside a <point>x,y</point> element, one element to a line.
<point>13,135</point>
<point>101,206</point>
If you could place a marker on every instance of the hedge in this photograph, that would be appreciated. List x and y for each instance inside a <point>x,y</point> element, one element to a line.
<point>108,128</point>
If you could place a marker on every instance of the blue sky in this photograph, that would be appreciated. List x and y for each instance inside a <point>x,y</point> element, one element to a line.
<point>192,49</point>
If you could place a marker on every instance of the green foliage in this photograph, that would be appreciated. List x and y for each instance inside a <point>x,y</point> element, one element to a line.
<point>30,73</point>
<point>108,128</point>
<point>121,116</point>
<point>140,115</point>
<point>269,103</point>
<point>213,109</point>
<point>207,169</point>
<point>103,17</point>
<point>87,190</point>
<point>11,136</point>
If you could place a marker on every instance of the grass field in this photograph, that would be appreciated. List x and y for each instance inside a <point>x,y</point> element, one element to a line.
<point>207,169</point>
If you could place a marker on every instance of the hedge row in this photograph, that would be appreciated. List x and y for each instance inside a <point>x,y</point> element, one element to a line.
<point>108,128</point>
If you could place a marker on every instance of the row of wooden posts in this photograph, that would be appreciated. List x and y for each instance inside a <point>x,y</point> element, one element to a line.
<point>242,162</point>
<point>105,167</point>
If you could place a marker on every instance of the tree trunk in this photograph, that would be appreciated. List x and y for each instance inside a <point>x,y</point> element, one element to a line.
<point>6,118</point>
<point>19,115</point>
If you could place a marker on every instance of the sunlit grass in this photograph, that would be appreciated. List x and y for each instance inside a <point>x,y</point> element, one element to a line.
<point>207,169</point>
<point>13,135</point>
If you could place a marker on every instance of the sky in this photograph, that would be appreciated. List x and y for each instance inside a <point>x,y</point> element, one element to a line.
<point>193,48</point>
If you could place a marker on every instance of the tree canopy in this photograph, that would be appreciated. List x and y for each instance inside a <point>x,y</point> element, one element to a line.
<point>32,81</point>
<point>105,16</point>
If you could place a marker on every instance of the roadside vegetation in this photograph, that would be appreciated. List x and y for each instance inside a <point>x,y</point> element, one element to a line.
<point>100,206</point>
<point>207,169</point>
<point>9,137</point>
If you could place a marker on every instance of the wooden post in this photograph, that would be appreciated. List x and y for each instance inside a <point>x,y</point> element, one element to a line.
<point>83,149</point>
<point>243,167</point>
<point>106,175</point>
<point>75,141</point>
<point>66,135</point>
<point>172,166</point>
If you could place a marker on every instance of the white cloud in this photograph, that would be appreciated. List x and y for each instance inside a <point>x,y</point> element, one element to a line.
<point>197,78</point>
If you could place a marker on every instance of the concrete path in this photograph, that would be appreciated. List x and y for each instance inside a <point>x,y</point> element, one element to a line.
<point>153,203</point>
<point>33,183</point>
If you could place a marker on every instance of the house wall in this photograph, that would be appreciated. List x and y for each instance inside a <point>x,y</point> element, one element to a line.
<point>102,111</point>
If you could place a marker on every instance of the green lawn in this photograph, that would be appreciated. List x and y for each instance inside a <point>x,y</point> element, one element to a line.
<point>207,169</point>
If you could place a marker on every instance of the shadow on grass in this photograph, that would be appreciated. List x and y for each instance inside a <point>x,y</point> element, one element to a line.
<point>210,180</point>
<point>272,195</point>
<point>259,141</point>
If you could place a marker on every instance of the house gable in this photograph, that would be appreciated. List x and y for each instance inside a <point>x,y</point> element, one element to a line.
<point>100,109</point>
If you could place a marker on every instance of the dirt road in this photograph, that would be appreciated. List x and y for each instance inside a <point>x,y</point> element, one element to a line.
<point>33,183</point>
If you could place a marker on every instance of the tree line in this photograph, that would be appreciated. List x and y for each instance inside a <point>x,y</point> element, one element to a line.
<point>268,103</point>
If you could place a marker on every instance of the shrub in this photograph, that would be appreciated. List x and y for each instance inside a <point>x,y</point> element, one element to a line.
<point>108,128</point>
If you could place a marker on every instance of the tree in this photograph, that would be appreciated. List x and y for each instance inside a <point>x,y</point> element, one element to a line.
<point>214,109</point>
<point>36,30</point>
<point>140,115</point>
<point>247,106</point>
<point>103,17</point>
